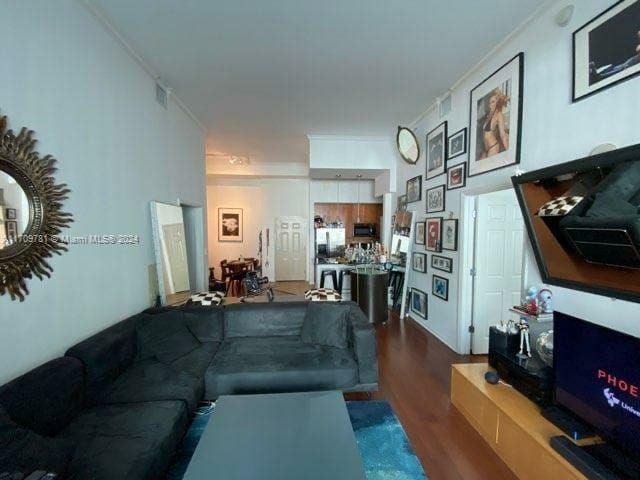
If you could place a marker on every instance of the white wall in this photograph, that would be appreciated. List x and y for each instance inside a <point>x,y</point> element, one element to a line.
<point>92,107</point>
<point>262,200</point>
<point>554,131</point>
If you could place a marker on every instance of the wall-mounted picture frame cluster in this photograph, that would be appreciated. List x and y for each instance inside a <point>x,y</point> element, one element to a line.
<point>419,262</point>
<point>419,303</point>
<point>444,264</point>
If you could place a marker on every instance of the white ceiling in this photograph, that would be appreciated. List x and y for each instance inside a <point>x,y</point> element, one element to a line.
<point>261,74</point>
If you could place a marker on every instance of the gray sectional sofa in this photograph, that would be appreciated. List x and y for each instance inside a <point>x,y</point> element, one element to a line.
<point>118,403</point>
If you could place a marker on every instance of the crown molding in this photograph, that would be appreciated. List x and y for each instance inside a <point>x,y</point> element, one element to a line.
<point>117,36</point>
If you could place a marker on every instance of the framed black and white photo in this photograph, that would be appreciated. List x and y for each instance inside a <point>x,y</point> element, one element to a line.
<point>606,50</point>
<point>12,214</point>
<point>436,150</point>
<point>435,199</point>
<point>433,234</point>
<point>420,237</point>
<point>419,262</point>
<point>419,303</point>
<point>442,263</point>
<point>440,287</point>
<point>495,118</point>
<point>230,225</point>
<point>450,234</point>
<point>457,144</point>
<point>456,176</point>
<point>414,189</point>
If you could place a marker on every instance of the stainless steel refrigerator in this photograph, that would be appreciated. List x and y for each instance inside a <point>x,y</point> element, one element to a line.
<point>329,242</point>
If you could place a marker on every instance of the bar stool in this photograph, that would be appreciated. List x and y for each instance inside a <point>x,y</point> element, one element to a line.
<point>341,280</point>
<point>334,277</point>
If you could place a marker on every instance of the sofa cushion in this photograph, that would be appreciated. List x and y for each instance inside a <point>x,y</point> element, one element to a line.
<point>148,381</point>
<point>23,450</point>
<point>197,361</point>
<point>46,398</point>
<point>106,355</point>
<point>204,323</point>
<point>132,442</point>
<point>264,319</point>
<point>165,337</point>
<point>277,364</point>
<point>326,324</point>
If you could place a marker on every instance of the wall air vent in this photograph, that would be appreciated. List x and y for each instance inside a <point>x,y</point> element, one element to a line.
<point>161,95</point>
<point>445,105</point>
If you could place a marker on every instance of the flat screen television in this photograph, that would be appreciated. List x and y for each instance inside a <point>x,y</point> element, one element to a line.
<point>583,219</point>
<point>597,375</point>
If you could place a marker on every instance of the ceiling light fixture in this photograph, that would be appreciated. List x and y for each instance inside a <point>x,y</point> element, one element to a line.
<point>230,159</point>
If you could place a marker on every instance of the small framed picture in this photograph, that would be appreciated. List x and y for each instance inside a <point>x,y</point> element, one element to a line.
<point>419,262</point>
<point>457,144</point>
<point>12,214</point>
<point>420,238</point>
<point>442,263</point>
<point>605,50</point>
<point>402,203</point>
<point>434,234</point>
<point>456,176</point>
<point>440,287</point>
<point>419,304</point>
<point>450,234</point>
<point>230,225</point>
<point>435,199</point>
<point>11,228</point>
<point>436,150</point>
<point>414,189</point>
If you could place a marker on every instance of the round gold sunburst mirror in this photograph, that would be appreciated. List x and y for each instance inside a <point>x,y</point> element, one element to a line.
<point>31,216</point>
<point>408,145</point>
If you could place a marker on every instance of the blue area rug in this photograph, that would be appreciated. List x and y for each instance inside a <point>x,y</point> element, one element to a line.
<point>384,446</point>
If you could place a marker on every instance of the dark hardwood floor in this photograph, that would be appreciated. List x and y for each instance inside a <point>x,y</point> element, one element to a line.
<point>415,377</point>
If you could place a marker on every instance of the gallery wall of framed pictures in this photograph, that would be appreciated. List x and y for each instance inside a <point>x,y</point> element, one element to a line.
<point>486,134</point>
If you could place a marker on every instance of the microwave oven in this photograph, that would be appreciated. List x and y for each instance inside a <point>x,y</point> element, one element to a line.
<point>364,229</point>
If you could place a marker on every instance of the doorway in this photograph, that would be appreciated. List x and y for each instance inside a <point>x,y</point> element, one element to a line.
<point>498,259</point>
<point>291,241</point>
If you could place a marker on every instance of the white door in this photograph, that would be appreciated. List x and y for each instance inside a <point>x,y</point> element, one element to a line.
<point>498,263</point>
<point>291,241</point>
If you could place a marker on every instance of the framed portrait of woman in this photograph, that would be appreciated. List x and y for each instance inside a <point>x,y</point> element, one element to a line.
<point>495,119</point>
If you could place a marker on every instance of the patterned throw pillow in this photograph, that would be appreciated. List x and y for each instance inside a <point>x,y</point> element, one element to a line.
<point>322,295</point>
<point>206,299</point>
<point>559,207</point>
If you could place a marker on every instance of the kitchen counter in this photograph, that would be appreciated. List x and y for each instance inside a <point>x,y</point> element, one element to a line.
<point>321,266</point>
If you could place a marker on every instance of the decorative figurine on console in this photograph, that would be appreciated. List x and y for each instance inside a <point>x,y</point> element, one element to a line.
<point>546,300</point>
<point>523,326</point>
